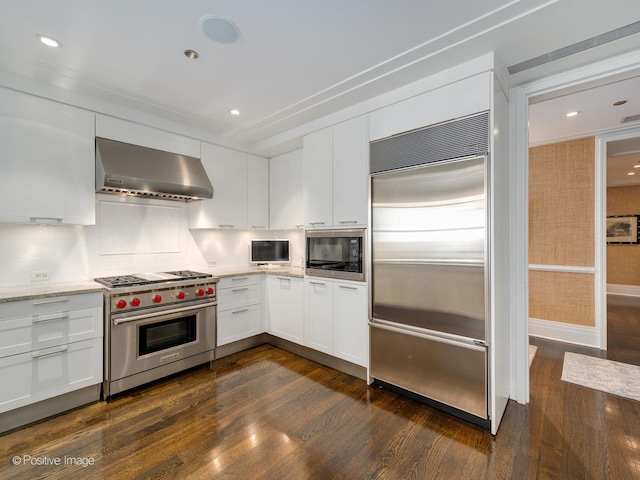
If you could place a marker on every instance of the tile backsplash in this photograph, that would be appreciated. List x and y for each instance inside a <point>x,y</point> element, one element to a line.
<point>153,235</point>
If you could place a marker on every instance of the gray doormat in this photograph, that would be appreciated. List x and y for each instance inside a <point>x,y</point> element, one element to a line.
<point>600,374</point>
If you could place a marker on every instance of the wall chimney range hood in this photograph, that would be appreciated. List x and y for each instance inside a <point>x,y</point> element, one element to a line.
<point>125,169</point>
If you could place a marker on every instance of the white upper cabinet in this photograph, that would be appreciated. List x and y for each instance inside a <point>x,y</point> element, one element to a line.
<point>227,171</point>
<point>336,175</point>
<point>285,191</point>
<point>47,161</point>
<point>350,172</point>
<point>258,192</point>
<point>318,178</point>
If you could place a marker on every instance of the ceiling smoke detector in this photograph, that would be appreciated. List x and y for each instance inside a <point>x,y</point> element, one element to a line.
<point>219,29</point>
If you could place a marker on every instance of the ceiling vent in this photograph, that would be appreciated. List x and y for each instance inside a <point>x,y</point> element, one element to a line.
<point>631,118</point>
<point>592,42</point>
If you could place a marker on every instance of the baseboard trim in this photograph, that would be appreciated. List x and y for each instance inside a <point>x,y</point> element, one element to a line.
<point>564,332</point>
<point>628,290</point>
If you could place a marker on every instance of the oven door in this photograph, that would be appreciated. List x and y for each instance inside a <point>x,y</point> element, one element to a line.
<point>144,341</point>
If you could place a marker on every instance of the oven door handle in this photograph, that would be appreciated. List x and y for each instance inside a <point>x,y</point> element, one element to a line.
<point>118,321</point>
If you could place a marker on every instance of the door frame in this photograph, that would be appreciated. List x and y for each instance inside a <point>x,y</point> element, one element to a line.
<point>609,70</point>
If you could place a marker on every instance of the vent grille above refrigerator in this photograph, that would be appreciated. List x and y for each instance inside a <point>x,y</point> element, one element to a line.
<point>445,141</point>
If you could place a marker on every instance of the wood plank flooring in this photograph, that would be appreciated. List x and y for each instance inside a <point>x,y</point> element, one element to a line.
<point>269,414</point>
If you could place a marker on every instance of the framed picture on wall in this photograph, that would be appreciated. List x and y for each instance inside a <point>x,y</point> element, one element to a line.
<point>622,229</point>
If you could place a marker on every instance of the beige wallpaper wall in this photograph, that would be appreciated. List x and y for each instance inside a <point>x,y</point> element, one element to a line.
<point>561,231</point>
<point>623,261</point>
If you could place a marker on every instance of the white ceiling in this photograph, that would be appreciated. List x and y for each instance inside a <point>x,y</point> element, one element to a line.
<point>295,60</point>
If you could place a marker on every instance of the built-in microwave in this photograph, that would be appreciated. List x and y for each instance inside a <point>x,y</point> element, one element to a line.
<point>336,254</point>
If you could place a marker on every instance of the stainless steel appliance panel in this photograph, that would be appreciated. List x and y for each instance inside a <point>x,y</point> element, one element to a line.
<point>131,354</point>
<point>449,372</point>
<point>429,247</point>
<point>336,254</point>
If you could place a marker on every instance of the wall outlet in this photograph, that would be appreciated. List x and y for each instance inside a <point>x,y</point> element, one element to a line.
<point>39,276</point>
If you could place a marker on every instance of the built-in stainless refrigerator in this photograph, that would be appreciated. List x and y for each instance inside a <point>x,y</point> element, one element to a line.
<point>429,276</point>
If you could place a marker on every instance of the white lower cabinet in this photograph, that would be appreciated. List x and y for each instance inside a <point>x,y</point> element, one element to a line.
<point>49,347</point>
<point>284,307</point>
<point>335,318</point>
<point>318,315</point>
<point>350,322</point>
<point>239,308</point>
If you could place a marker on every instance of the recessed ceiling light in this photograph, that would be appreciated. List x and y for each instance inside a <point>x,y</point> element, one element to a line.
<point>572,114</point>
<point>621,102</point>
<point>192,54</point>
<point>49,41</point>
<point>234,112</point>
<point>219,29</point>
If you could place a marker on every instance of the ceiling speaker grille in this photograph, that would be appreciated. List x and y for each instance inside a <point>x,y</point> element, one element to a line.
<point>631,118</point>
<point>592,42</point>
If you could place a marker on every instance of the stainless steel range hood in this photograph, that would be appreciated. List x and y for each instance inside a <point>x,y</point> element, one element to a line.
<point>126,169</point>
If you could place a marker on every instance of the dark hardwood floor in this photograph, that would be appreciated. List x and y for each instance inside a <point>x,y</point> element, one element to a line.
<point>269,414</point>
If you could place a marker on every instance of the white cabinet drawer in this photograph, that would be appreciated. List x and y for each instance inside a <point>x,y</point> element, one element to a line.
<point>239,323</point>
<point>47,305</point>
<point>20,335</point>
<point>34,376</point>
<point>239,296</point>
<point>239,281</point>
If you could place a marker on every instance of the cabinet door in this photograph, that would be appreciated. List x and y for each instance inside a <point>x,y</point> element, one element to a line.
<point>47,171</point>
<point>278,193</point>
<point>238,323</point>
<point>318,178</point>
<point>227,170</point>
<point>350,320</point>
<point>318,315</point>
<point>295,193</point>
<point>350,172</point>
<point>258,192</point>
<point>285,307</point>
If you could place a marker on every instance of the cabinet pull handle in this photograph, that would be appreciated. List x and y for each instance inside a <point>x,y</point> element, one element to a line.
<point>51,300</point>
<point>237,279</point>
<point>317,283</point>
<point>227,226</point>
<point>57,351</point>
<point>344,222</point>
<point>49,318</point>
<point>240,311</point>
<point>316,223</point>
<point>348,287</point>
<point>239,289</point>
<point>284,278</point>
<point>299,226</point>
<point>258,226</point>
<point>47,220</point>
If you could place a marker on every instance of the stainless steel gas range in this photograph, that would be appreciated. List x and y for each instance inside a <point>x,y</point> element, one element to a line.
<point>156,324</point>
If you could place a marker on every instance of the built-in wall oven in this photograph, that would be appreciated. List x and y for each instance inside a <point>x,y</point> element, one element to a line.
<point>157,325</point>
<point>336,254</point>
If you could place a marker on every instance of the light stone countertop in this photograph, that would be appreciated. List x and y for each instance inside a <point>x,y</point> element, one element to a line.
<point>44,290</point>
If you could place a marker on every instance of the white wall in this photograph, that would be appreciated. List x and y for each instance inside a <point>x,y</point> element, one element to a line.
<point>131,236</point>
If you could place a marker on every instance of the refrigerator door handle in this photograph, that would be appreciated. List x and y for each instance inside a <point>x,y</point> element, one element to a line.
<point>429,335</point>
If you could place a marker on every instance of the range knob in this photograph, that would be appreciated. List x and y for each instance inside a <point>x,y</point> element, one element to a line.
<point>135,302</point>
<point>181,295</point>
<point>157,299</point>
<point>121,304</point>
<point>210,291</point>
<point>200,292</point>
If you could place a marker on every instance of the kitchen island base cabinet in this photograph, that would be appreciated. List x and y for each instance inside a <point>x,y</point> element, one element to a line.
<point>284,307</point>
